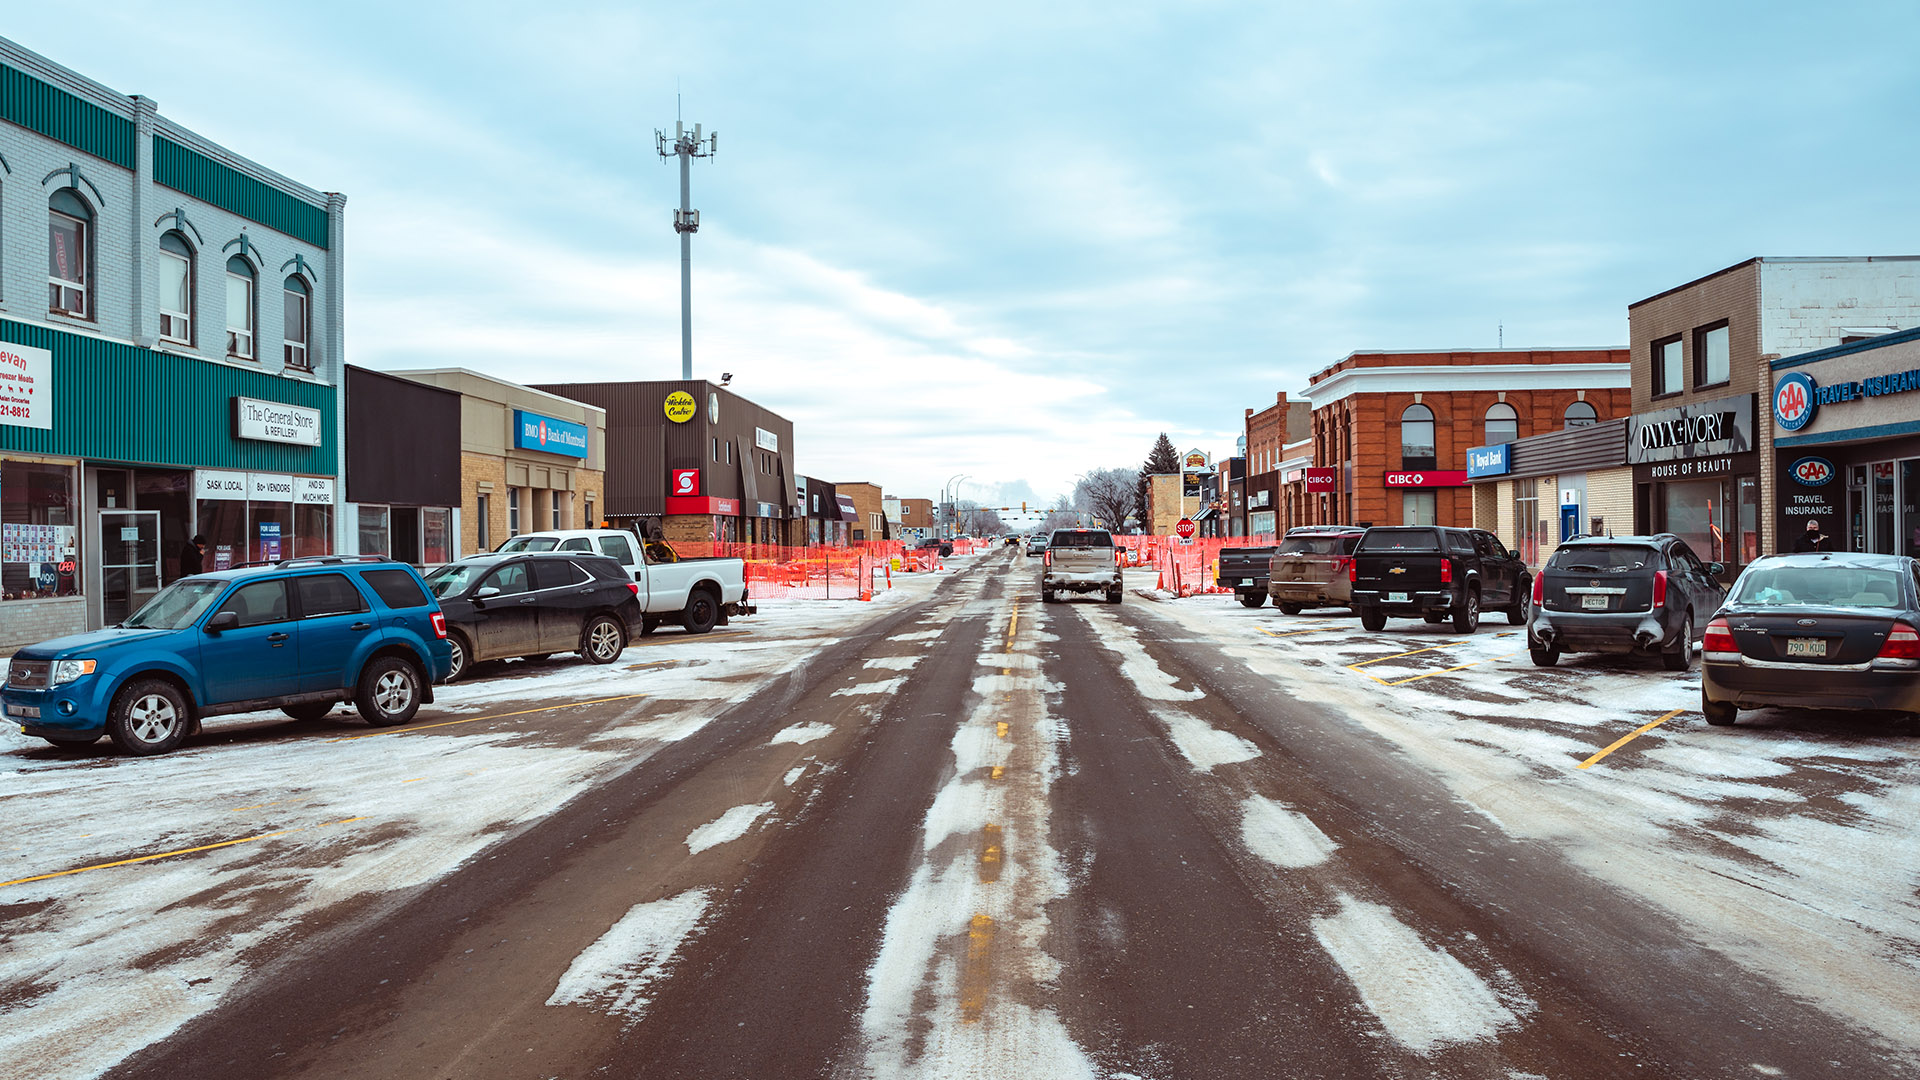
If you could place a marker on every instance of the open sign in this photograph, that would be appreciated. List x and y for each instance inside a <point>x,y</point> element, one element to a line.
<point>1812,471</point>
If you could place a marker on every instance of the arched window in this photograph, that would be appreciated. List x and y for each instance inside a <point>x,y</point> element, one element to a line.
<point>176,289</point>
<point>297,297</point>
<point>69,255</point>
<point>1416,438</point>
<point>240,308</point>
<point>1581,414</point>
<point>1503,424</point>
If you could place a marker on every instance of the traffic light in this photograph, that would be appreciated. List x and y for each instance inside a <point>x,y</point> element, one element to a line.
<point>1023,506</point>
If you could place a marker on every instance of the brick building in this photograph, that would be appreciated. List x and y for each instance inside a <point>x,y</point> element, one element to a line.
<point>1396,426</point>
<point>916,518</point>
<point>869,509</point>
<point>1269,431</point>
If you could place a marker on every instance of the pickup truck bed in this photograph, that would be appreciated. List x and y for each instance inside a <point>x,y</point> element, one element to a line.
<point>1244,570</point>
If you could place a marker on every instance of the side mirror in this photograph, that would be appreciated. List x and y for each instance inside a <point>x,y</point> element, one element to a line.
<point>224,620</point>
<point>1715,569</point>
<point>1514,554</point>
<point>486,592</point>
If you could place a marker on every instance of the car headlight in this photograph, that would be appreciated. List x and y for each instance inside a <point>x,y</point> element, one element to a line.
<point>65,671</point>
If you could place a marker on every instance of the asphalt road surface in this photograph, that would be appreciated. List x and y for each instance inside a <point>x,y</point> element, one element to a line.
<point>983,836</point>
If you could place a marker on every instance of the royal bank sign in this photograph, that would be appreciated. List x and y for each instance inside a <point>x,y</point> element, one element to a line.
<point>1700,429</point>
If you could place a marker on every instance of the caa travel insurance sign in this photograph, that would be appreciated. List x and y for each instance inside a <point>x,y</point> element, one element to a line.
<point>531,431</point>
<point>1811,471</point>
<point>1793,401</point>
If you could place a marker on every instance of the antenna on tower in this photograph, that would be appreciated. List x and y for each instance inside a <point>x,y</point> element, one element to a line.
<point>1503,335</point>
<point>686,220</point>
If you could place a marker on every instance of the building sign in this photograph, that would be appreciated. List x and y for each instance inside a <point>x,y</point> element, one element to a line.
<point>1489,461</point>
<point>686,482</point>
<point>313,490</point>
<point>216,484</point>
<point>531,431</point>
<point>269,487</point>
<point>1691,468</point>
<point>26,386</point>
<point>1793,401</point>
<point>1701,429</point>
<point>1427,479</point>
<point>766,440</point>
<point>1796,397</point>
<point>1812,471</point>
<point>1322,480</point>
<point>272,421</point>
<point>681,407</point>
<point>1195,461</point>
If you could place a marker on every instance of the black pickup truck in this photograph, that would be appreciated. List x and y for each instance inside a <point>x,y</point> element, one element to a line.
<point>1434,573</point>
<point>1244,570</point>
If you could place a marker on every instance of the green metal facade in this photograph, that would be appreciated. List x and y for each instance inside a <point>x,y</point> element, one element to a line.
<point>116,402</point>
<point>51,111</point>
<point>193,173</point>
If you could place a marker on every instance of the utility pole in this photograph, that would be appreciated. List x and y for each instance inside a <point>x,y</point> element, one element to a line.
<point>686,222</point>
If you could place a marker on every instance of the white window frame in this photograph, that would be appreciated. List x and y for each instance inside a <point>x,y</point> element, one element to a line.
<point>81,228</point>
<point>240,338</point>
<point>176,327</point>
<point>294,353</point>
<point>553,498</point>
<point>513,512</point>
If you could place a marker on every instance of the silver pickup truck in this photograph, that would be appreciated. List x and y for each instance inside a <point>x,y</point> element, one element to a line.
<point>1082,561</point>
<point>695,593</point>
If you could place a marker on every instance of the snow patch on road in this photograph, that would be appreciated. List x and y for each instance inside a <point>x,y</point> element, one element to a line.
<point>801,734</point>
<point>883,686</point>
<point>895,663</point>
<point>616,974</point>
<point>917,635</point>
<point>794,773</point>
<point>1424,997</point>
<point>1281,836</point>
<point>1140,669</point>
<point>728,827</point>
<point>1203,745</point>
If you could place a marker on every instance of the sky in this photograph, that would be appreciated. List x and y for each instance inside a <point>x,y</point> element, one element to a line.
<point>1018,241</point>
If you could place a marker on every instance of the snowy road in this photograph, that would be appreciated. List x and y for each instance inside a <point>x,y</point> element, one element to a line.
<point>962,833</point>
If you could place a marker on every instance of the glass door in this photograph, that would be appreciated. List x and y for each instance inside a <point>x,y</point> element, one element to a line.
<point>1883,524</point>
<point>1910,507</point>
<point>129,561</point>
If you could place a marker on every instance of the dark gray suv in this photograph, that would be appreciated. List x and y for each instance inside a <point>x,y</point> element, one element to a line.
<point>1623,594</point>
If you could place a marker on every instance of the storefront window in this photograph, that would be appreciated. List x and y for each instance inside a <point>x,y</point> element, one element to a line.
<point>1882,506</point>
<point>1749,519</point>
<point>513,512</point>
<point>434,548</point>
<point>1417,508</point>
<point>224,523</point>
<point>37,524</point>
<point>375,530</point>
<point>483,509</point>
<point>312,530</point>
<point>1910,506</point>
<point>1526,520</point>
<point>1696,511</point>
<point>270,535</point>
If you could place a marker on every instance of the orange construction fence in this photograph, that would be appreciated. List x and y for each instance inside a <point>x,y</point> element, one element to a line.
<point>826,571</point>
<point>1190,568</point>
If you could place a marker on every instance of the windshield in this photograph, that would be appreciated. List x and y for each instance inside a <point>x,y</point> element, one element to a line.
<point>1597,558</point>
<point>1819,586</point>
<point>1310,545</point>
<point>177,606</point>
<point>529,543</point>
<point>1400,540</point>
<point>454,578</point>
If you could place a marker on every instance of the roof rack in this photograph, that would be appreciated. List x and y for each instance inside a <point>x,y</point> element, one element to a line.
<point>325,560</point>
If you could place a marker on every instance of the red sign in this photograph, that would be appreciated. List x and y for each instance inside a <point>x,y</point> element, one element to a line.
<point>1185,528</point>
<point>1323,479</point>
<point>1429,478</point>
<point>699,504</point>
<point>685,482</point>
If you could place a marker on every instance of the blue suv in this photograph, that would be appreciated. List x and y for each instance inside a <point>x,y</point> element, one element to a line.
<point>301,636</point>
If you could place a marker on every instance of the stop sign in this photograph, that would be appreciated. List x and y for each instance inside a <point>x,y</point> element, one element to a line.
<point>1185,528</point>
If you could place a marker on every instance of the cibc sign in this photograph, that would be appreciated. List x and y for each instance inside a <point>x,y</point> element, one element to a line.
<point>1429,478</point>
<point>1323,480</point>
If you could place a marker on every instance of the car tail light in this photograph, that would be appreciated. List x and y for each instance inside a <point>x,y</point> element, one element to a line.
<point>1659,588</point>
<point>1046,557</point>
<point>633,587</point>
<point>1353,570</point>
<point>439,623</point>
<point>1539,591</point>
<point>1903,643</point>
<point>1446,571</point>
<point>1718,638</point>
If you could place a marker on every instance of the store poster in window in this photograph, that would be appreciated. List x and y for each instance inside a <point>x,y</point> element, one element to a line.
<point>41,560</point>
<point>223,557</point>
<point>269,541</point>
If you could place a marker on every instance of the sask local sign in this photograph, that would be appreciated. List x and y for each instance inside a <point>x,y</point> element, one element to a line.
<point>26,386</point>
<point>273,421</point>
<point>1702,429</point>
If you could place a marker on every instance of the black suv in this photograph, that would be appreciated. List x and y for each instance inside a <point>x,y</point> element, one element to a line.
<point>1435,572</point>
<point>535,604</point>
<point>1623,594</point>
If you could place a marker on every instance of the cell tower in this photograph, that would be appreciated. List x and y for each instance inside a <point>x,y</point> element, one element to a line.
<point>686,221</point>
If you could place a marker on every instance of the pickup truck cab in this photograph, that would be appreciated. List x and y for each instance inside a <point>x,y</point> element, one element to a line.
<point>698,594</point>
<point>1244,570</point>
<point>1081,561</point>
<point>1433,572</point>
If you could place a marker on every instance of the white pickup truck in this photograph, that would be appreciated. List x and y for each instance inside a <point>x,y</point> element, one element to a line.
<point>698,594</point>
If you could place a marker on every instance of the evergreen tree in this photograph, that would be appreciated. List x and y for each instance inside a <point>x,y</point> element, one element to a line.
<point>1163,458</point>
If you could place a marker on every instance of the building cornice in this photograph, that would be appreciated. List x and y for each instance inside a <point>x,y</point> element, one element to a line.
<point>1443,378</point>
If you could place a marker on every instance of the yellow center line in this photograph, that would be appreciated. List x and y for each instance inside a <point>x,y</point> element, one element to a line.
<point>1013,625</point>
<point>415,780</point>
<point>999,771</point>
<point>169,854</point>
<point>975,970</point>
<point>1625,739</point>
<point>476,719</point>
<point>1000,726</point>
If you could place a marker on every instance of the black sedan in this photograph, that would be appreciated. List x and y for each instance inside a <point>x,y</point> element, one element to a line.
<point>1623,594</point>
<point>1832,631</point>
<point>532,605</point>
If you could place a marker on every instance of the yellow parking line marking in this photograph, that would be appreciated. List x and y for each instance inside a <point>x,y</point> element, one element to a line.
<point>1625,739</point>
<point>476,719</point>
<point>1398,655</point>
<point>169,854</point>
<point>1442,671</point>
<point>1294,633</point>
<point>415,780</point>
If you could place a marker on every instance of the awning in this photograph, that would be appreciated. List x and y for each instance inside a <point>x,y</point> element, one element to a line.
<point>1204,514</point>
<point>847,512</point>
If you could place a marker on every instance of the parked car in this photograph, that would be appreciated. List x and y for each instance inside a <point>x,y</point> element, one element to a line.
<point>536,604</point>
<point>1623,594</point>
<point>1080,561</point>
<point>300,636</point>
<point>1433,572</point>
<point>697,593</point>
<point>944,547</point>
<point>1244,570</point>
<point>1037,546</point>
<point>1310,568</point>
<point>1815,631</point>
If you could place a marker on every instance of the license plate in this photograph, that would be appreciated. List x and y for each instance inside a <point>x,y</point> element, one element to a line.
<point>1396,598</point>
<point>1805,646</point>
<point>24,712</point>
<point>1246,581</point>
<point>1594,603</point>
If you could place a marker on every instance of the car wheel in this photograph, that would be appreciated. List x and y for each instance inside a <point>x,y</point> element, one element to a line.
<point>1522,604</point>
<point>310,710</point>
<point>388,693</point>
<point>603,641</point>
<point>1114,596</point>
<point>1372,618</point>
<point>1679,656</point>
<point>148,717</point>
<point>1288,608</point>
<point>1719,713</point>
<point>1253,599</point>
<point>648,624</point>
<point>1466,617</point>
<point>1546,657</point>
<point>702,612</point>
<point>1046,596</point>
<point>462,658</point>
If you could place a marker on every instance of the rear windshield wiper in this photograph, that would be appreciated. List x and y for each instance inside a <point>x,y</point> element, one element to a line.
<point>1582,566</point>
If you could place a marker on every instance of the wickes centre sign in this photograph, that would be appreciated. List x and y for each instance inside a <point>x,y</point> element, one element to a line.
<point>1702,429</point>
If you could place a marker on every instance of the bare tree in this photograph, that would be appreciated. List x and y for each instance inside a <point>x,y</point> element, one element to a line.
<point>1107,495</point>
